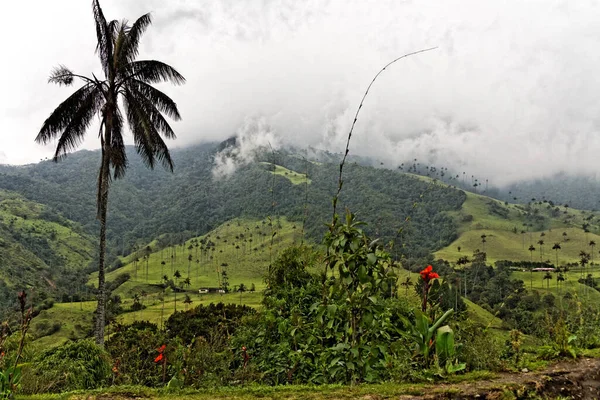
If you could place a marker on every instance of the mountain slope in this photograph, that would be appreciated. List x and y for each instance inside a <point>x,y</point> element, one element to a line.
<point>39,250</point>
<point>191,202</point>
<point>510,229</point>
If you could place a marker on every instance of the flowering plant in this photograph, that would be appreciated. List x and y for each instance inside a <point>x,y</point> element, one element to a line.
<point>427,275</point>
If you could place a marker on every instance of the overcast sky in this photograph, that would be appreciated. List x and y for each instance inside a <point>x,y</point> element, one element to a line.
<point>512,92</point>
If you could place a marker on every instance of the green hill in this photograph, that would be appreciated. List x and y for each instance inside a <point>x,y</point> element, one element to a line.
<point>510,229</point>
<point>39,250</point>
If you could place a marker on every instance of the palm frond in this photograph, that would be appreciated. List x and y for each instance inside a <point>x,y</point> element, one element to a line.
<point>154,115</point>
<point>163,102</point>
<point>62,115</point>
<point>79,123</point>
<point>104,37</point>
<point>134,35</point>
<point>117,156</point>
<point>151,71</point>
<point>61,75</point>
<point>148,142</point>
<point>119,41</point>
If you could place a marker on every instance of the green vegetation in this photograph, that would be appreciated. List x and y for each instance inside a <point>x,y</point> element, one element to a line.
<point>40,249</point>
<point>510,229</point>
<point>295,177</point>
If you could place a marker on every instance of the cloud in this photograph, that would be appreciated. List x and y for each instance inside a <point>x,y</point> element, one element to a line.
<point>510,94</point>
<point>253,137</point>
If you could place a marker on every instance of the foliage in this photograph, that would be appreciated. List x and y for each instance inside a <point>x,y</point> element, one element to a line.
<point>445,351</point>
<point>423,334</point>
<point>73,366</point>
<point>208,322</point>
<point>198,204</point>
<point>133,350</point>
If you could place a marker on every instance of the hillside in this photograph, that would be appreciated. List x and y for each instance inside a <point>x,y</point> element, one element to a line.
<point>39,250</point>
<point>240,247</point>
<point>510,229</point>
<point>191,202</point>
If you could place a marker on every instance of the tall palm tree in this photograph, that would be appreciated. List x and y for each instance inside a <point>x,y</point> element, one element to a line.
<point>556,248</point>
<point>541,243</point>
<point>531,250</point>
<point>548,277</point>
<point>127,82</point>
<point>592,244</point>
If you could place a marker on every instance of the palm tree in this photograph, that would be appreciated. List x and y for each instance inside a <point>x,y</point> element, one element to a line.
<point>531,250</point>
<point>556,248</point>
<point>483,241</point>
<point>592,244</point>
<point>189,265</point>
<point>559,280</point>
<point>541,243</point>
<point>176,275</point>
<point>407,283</point>
<point>548,277</point>
<point>127,82</point>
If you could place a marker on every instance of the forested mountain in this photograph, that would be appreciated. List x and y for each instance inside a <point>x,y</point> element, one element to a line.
<point>146,204</point>
<point>40,250</point>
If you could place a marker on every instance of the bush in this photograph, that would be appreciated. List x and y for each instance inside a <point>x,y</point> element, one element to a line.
<point>133,349</point>
<point>74,366</point>
<point>202,321</point>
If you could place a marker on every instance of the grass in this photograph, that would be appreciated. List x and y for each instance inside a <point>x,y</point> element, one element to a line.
<point>502,224</point>
<point>295,177</point>
<point>244,265</point>
<point>365,391</point>
<point>244,245</point>
<point>32,238</point>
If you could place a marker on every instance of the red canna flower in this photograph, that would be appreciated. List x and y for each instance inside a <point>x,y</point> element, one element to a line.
<point>158,358</point>
<point>427,274</point>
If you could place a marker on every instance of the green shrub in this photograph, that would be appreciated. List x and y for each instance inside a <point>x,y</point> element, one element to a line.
<point>133,349</point>
<point>73,366</point>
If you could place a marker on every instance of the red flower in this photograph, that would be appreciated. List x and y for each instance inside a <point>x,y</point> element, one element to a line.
<point>427,274</point>
<point>158,358</point>
<point>161,349</point>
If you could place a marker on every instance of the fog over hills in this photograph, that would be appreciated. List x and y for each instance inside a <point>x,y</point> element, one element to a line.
<point>510,93</point>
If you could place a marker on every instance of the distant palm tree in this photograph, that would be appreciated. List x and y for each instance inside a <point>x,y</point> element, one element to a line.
<point>541,243</point>
<point>187,301</point>
<point>559,280</point>
<point>556,248</point>
<point>592,244</point>
<point>531,250</point>
<point>407,283</point>
<point>176,275</point>
<point>128,82</point>
<point>483,241</point>
<point>548,277</point>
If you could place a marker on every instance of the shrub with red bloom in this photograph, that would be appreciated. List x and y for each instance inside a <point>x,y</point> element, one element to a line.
<point>159,358</point>
<point>162,348</point>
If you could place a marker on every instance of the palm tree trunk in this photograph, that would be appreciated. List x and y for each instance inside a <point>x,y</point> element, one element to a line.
<point>102,208</point>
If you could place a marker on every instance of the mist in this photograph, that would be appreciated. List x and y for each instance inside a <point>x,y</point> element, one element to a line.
<point>510,94</point>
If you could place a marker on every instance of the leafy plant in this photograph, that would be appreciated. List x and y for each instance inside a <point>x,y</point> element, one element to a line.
<point>73,366</point>
<point>423,334</point>
<point>445,351</point>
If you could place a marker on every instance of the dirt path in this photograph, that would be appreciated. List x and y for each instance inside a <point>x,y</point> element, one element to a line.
<point>577,379</point>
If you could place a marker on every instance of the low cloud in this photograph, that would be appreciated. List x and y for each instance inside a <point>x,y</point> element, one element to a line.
<point>253,137</point>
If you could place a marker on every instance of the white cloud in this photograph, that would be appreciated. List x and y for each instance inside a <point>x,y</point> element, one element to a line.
<point>254,136</point>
